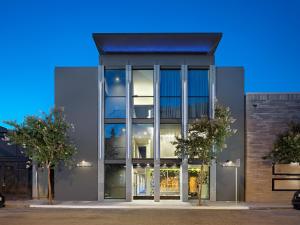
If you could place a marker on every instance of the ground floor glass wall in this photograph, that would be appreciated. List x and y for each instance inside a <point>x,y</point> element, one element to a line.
<point>170,181</point>
<point>115,181</point>
<point>193,186</point>
<point>143,183</point>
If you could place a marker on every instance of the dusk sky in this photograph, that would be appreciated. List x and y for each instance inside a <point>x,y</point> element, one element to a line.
<point>261,35</point>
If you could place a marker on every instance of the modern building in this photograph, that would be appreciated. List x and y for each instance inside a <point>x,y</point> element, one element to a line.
<point>145,91</point>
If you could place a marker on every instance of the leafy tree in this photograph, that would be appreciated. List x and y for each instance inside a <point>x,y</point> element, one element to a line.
<point>205,140</point>
<point>286,147</point>
<point>45,140</point>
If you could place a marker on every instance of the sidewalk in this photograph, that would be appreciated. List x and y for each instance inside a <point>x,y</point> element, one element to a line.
<point>147,204</point>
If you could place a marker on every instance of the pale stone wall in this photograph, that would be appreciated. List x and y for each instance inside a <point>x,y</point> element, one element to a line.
<point>266,116</point>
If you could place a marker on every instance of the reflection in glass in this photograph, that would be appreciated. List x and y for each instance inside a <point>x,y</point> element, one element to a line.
<point>115,83</point>
<point>142,93</point>
<point>197,93</point>
<point>115,181</point>
<point>115,92</point>
<point>198,107</point>
<point>115,142</point>
<point>193,186</point>
<point>170,94</point>
<point>115,107</point>
<point>168,132</point>
<point>142,141</point>
<point>169,181</point>
<point>143,181</point>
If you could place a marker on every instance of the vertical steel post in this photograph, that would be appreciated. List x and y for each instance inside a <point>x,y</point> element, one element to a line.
<point>129,168</point>
<point>156,133</point>
<point>101,133</point>
<point>184,164</point>
<point>212,99</point>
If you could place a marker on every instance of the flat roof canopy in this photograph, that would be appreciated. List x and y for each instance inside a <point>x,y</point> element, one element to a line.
<point>199,43</point>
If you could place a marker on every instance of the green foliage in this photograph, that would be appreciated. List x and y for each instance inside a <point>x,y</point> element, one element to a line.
<point>204,134</point>
<point>45,139</point>
<point>286,147</point>
<point>205,139</point>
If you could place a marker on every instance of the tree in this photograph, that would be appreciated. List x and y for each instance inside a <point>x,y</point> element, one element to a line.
<point>45,140</point>
<point>286,147</point>
<point>205,140</point>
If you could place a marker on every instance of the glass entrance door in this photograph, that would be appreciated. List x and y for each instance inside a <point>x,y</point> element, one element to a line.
<point>143,183</point>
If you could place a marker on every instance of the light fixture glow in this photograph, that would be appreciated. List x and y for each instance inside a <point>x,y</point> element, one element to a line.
<point>84,163</point>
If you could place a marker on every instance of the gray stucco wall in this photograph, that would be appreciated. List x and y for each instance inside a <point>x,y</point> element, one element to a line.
<point>230,92</point>
<point>76,89</point>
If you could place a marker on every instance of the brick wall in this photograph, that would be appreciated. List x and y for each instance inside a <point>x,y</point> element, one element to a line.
<point>266,116</point>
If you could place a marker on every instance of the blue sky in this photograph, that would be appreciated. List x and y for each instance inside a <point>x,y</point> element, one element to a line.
<point>36,36</point>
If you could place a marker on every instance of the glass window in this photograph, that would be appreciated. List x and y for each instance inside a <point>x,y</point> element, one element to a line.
<point>115,92</point>
<point>168,132</point>
<point>115,141</point>
<point>170,94</point>
<point>115,181</point>
<point>143,181</point>
<point>193,186</point>
<point>170,181</point>
<point>142,93</point>
<point>142,141</point>
<point>197,93</point>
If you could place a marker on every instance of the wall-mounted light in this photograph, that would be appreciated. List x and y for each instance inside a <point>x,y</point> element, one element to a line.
<point>84,163</point>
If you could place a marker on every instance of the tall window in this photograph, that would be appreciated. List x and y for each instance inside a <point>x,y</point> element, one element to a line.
<point>168,133</point>
<point>142,141</point>
<point>170,94</point>
<point>115,141</point>
<point>197,93</point>
<point>142,93</point>
<point>115,92</point>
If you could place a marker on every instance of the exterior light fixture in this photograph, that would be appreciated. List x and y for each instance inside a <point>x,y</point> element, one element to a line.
<point>148,165</point>
<point>235,164</point>
<point>84,163</point>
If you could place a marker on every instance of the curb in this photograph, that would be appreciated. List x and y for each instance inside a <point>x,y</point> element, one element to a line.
<point>140,207</point>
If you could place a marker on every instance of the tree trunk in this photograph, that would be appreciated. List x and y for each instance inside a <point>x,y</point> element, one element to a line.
<point>49,186</point>
<point>200,181</point>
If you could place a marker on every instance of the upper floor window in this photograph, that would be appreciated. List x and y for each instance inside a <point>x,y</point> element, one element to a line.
<point>170,94</point>
<point>142,93</point>
<point>197,93</point>
<point>115,142</point>
<point>115,92</point>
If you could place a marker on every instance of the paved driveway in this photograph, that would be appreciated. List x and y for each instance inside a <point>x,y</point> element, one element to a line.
<point>27,216</point>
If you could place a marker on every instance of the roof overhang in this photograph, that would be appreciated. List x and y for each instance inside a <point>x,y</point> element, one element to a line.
<point>196,43</point>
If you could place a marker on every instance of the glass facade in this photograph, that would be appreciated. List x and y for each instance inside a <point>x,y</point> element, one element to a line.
<point>170,94</point>
<point>197,93</point>
<point>143,182</point>
<point>169,181</point>
<point>114,184</point>
<point>115,141</point>
<point>142,93</point>
<point>142,131</point>
<point>168,134</point>
<point>142,141</point>
<point>115,92</point>
<point>193,186</point>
